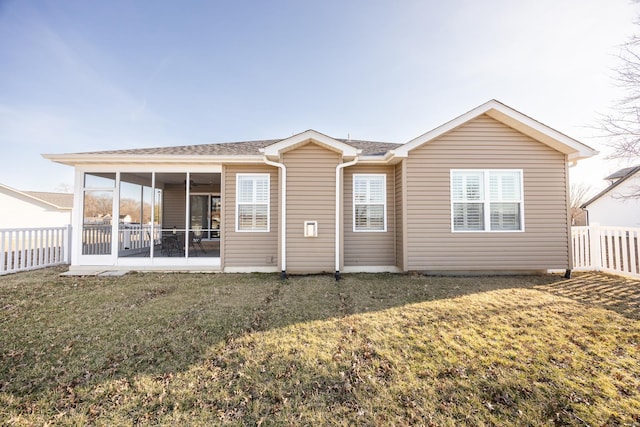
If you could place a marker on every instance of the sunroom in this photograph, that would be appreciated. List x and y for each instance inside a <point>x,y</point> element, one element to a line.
<point>148,219</point>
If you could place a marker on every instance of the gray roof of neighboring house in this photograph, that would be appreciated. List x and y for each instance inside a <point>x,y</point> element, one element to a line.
<point>621,176</point>
<point>369,148</point>
<point>61,200</point>
<point>622,173</point>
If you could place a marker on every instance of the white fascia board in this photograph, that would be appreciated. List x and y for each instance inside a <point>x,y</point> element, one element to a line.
<point>84,159</point>
<point>512,118</point>
<point>373,160</point>
<point>540,132</point>
<point>274,150</point>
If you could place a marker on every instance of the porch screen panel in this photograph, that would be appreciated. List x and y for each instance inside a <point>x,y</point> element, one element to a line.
<point>134,224</point>
<point>97,213</point>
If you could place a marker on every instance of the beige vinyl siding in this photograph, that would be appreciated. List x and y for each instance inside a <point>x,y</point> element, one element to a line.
<point>399,217</point>
<point>374,248</point>
<point>173,207</point>
<point>484,143</point>
<point>249,249</point>
<point>311,196</point>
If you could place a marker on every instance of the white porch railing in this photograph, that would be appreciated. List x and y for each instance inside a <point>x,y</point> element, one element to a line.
<point>135,238</point>
<point>609,249</point>
<point>24,249</point>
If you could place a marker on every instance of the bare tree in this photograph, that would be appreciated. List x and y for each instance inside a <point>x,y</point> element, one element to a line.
<point>132,208</point>
<point>64,188</point>
<point>97,204</point>
<point>579,193</point>
<point>622,127</point>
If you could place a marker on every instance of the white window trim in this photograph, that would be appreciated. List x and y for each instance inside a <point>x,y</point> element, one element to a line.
<point>486,202</point>
<point>268,176</point>
<point>353,198</point>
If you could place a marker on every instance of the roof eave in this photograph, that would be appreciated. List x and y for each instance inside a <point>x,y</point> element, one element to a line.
<point>275,150</point>
<point>514,119</point>
<point>83,159</point>
<point>576,150</point>
<point>581,155</point>
<point>373,160</point>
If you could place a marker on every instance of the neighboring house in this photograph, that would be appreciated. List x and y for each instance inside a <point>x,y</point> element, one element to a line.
<point>616,204</point>
<point>29,209</point>
<point>579,217</point>
<point>487,191</point>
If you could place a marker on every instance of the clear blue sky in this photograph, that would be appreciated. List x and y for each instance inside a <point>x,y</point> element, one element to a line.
<point>95,75</point>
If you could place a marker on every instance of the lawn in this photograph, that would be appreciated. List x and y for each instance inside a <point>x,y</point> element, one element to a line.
<point>205,349</point>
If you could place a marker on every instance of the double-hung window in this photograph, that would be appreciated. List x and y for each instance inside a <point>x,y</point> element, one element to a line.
<point>487,200</point>
<point>369,202</point>
<point>252,202</point>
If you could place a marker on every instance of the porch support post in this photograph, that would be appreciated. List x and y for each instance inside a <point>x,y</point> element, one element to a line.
<point>67,244</point>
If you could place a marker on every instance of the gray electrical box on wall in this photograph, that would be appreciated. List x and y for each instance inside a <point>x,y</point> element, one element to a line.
<point>311,229</point>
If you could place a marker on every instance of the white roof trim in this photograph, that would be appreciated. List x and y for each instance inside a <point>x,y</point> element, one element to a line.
<point>274,150</point>
<point>514,119</point>
<point>83,159</point>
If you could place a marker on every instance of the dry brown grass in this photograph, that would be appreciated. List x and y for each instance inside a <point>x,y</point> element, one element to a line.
<point>615,293</point>
<point>369,350</point>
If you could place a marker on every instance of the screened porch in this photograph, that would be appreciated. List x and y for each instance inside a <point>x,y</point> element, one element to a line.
<point>151,215</point>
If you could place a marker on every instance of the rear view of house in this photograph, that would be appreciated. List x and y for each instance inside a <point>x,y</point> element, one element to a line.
<point>487,191</point>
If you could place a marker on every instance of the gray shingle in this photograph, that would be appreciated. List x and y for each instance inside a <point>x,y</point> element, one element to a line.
<point>371,148</point>
<point>61,200</point>
<point>623,172</point>
<point>240,148</point>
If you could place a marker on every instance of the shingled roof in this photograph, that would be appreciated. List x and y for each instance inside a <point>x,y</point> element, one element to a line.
<point>623,173</point>
<point>61,200</point>
<point>617,178</point>
<point>369,148</point>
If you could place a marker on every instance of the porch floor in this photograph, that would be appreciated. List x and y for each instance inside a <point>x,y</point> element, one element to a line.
<point>107,273</point>
<point>208,248</point>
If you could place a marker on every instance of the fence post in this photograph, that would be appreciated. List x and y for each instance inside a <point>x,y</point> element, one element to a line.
<point>594,245</point>
<point>4,257</point>
<point>67,245</point>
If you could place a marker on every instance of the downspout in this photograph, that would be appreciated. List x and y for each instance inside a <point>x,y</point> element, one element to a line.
<point>283,217</point>
<point>338,200</point>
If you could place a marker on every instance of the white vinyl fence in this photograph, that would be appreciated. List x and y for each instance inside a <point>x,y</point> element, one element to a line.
<point>24,249</point>
<point>609,249</point>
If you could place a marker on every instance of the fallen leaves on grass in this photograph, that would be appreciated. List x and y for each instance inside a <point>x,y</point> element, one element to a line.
<point>369,350</point>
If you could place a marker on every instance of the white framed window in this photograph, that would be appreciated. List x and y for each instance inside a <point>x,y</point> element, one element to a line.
<point>487,200</point>
<point>252,202</point>
<point>369,202</point>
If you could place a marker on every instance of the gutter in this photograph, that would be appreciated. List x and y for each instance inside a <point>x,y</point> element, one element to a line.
<point>88,159</point>
<point>338,199</point>
<point>283,217</point>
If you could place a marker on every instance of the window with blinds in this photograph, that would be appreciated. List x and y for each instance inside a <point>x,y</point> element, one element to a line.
<point>486,200</point>
<point>252,202</point>
<point>369,202</point>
